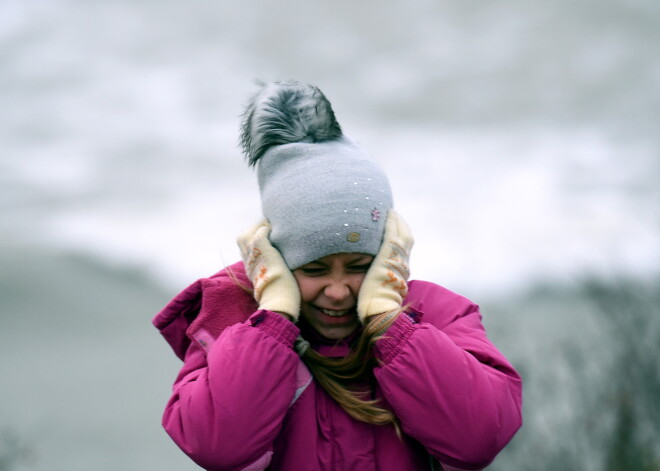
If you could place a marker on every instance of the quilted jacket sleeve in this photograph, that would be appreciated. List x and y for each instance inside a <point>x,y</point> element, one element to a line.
<point>451,388</point>
<point>228,405</point>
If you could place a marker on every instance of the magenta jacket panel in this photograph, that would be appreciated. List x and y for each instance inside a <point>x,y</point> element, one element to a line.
<point>244,400</point>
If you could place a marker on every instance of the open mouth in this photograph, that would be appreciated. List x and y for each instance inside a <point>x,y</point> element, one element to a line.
<point>334,313</point>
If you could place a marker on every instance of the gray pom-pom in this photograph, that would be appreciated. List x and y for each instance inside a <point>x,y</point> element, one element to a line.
<point>286,112</point>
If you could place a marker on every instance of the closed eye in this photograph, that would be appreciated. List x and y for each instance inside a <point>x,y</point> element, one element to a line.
<point>361,268</point>
<point>313,271</point>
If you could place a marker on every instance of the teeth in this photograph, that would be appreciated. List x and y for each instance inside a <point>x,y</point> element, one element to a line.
<point>332,313</point>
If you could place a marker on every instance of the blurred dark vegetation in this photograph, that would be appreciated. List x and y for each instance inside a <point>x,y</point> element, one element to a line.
<point>592,392</point>
<point>13,450</point>
<point>631,389</point>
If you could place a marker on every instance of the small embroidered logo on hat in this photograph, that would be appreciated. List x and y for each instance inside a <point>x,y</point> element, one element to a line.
<point>353,237</point>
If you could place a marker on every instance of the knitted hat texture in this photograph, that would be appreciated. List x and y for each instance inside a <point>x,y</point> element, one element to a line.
<point>321,192</point>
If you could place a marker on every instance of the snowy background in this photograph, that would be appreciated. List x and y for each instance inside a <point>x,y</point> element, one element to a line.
<point>521,141</point>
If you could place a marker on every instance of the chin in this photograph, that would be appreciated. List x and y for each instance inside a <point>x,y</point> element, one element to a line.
<point>336,333</point>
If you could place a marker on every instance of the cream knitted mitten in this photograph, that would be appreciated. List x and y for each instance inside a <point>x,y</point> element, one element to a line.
<point>275,287</point>
<point>385,284</point>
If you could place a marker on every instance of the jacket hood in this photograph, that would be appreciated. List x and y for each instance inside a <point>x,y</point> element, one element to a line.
<point>192,314</point>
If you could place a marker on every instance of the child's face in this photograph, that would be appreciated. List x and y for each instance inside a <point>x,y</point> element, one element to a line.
<point>329,290</point>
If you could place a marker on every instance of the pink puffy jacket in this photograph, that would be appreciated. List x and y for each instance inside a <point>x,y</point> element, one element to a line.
<point>244,400</point>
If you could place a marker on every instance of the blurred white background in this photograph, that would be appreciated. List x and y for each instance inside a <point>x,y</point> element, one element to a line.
<point>521,141</point>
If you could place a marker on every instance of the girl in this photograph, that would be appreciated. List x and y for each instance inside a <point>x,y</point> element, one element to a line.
<point>316,352</point>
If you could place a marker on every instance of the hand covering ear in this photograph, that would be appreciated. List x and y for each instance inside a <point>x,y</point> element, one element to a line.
<point>385,284</point>
<point>275,287</point>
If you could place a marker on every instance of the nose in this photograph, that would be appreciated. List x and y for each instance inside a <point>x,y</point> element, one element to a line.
<point>337,290</point>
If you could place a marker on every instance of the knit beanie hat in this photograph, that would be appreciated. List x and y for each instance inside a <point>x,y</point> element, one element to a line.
<point>320,191</point>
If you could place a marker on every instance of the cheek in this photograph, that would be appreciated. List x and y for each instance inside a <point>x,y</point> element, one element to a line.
<point>307,288</point>
<point>356,283</point>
